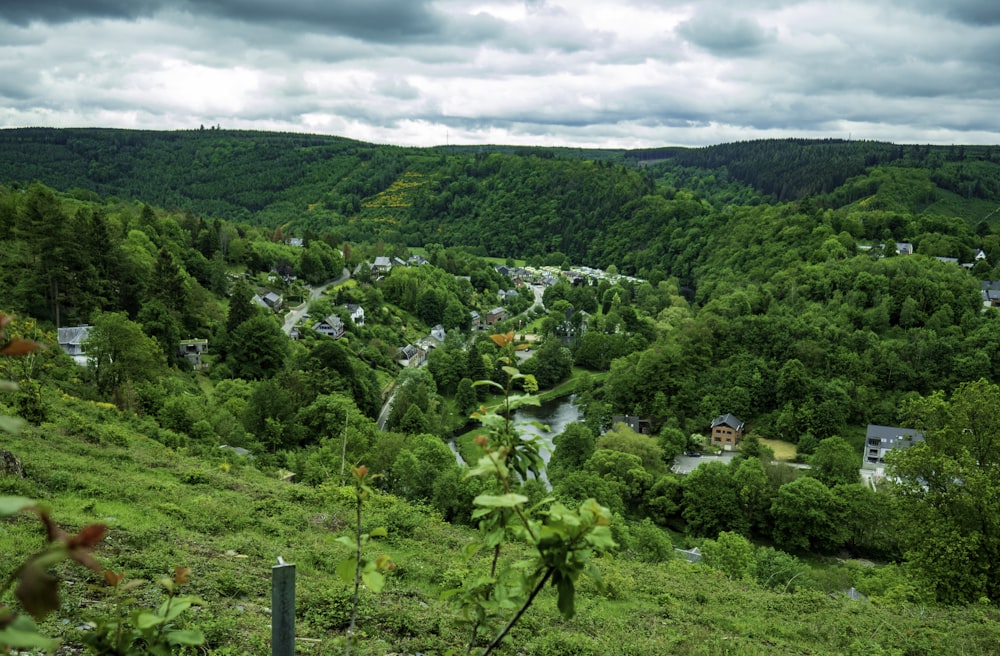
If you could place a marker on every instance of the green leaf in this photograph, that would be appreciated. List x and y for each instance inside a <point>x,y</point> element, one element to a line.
<point>346,570</point>
<point>479,383</point>
<point>347,540</point>
<point>509,500</point>
<point>147,620</point>
<point>22,633</point>
<point>379,532</point>
<point>567,597</point>
<point>487,466</point>
<point>600,538</point>
<point>186,637</point>
<point>179,605</point>
<point>11,424</point>
<point>520,400</point>
<point>8,386</point>
<point>494,537</point>
<point>13,505</point>
<point>374,580</point>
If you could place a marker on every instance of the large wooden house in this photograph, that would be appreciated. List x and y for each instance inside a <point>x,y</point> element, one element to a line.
<point>727,430</point>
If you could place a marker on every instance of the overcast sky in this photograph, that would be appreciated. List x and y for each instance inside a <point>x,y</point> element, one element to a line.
<point>605,73</point>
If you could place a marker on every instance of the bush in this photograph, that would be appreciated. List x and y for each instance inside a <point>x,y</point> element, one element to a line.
<point>649,543</point>
<point>564,644</point>
<point>60,480</point>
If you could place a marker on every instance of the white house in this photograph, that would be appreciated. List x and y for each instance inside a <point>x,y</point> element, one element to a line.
<point>71,342</point>
<point>357,313</point>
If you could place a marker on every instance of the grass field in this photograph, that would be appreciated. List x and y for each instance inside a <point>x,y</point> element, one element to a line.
<point>782,450</point>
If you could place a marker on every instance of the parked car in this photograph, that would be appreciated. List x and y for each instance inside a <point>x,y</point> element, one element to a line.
<point>693,454</point>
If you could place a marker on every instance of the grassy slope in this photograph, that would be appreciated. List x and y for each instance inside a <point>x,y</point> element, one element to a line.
<point>166,508</point>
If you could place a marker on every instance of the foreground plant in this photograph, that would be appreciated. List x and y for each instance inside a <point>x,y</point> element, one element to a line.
<point>37,589</point>
<point>563,541</point>
<point>144,631</point>
<point>358,568</point>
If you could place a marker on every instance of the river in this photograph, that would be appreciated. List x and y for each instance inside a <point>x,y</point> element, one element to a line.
<point>556,414</point>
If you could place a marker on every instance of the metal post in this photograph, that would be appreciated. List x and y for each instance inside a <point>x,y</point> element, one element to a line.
<point>283,608</point>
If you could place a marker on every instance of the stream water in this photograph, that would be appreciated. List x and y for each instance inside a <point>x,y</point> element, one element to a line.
<point>556,414</point>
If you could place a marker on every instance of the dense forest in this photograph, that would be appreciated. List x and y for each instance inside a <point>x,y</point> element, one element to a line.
<point>808,287</point>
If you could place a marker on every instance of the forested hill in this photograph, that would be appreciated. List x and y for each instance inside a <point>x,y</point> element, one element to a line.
<point>790,169</point>
<point>635,209</point>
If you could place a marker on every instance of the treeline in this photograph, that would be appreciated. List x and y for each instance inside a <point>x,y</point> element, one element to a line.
<point>790,169</point>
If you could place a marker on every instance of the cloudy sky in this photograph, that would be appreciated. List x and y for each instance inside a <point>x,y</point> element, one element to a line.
<point>606,73</point>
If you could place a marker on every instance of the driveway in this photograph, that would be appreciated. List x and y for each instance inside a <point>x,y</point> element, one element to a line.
<point>687,464</point>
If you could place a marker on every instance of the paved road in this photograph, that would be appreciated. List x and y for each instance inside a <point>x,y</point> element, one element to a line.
<point>296,313</point>
<point>687,464</point>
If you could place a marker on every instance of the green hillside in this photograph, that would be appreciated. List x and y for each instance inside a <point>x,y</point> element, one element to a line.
<point>227,521</point>
<point>313,303</point>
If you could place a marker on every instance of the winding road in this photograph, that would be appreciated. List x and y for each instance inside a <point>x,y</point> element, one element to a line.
<point>295,315</point>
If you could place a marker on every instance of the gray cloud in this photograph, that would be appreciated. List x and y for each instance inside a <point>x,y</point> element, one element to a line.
<point>724,34</point>
<point>972,12</point>
<point>570,72</point>
<point>23,12</point>
<point>377,20</point>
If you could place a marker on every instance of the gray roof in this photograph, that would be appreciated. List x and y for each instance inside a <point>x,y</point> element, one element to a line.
<point>729,420</point>
<point>891,435</point>
<point>71,339</point>
<point>691,555</point>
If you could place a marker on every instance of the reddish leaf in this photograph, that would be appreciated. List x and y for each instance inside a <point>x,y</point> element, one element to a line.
<point>113,579</point>
<point>78,546</point>
<point>181,575</point>
<point>17,347</point>
<point>38,591</point>
<point>52,532</point>
<point>88,537</point>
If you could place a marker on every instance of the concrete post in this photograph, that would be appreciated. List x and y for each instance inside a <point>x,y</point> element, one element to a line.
<point>283,609</point>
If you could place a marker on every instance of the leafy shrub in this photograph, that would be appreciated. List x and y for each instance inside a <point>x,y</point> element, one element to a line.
<point>565,644</point>
<point>649,543</point>
<point>328,609</point>
<point>59,480</point>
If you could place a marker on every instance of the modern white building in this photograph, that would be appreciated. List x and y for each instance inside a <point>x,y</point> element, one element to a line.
<point>879,440</point>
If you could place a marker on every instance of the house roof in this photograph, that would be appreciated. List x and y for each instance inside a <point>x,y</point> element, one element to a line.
<point>334,321</point>
<point>892,435</point>
<point>72,335</point>
<point>728,420</point>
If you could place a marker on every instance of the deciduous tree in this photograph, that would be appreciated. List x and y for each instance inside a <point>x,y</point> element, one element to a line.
<point>949,488</point>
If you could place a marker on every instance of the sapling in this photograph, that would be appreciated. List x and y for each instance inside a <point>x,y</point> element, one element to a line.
<point>358,568</point>
<point>562,541</point>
